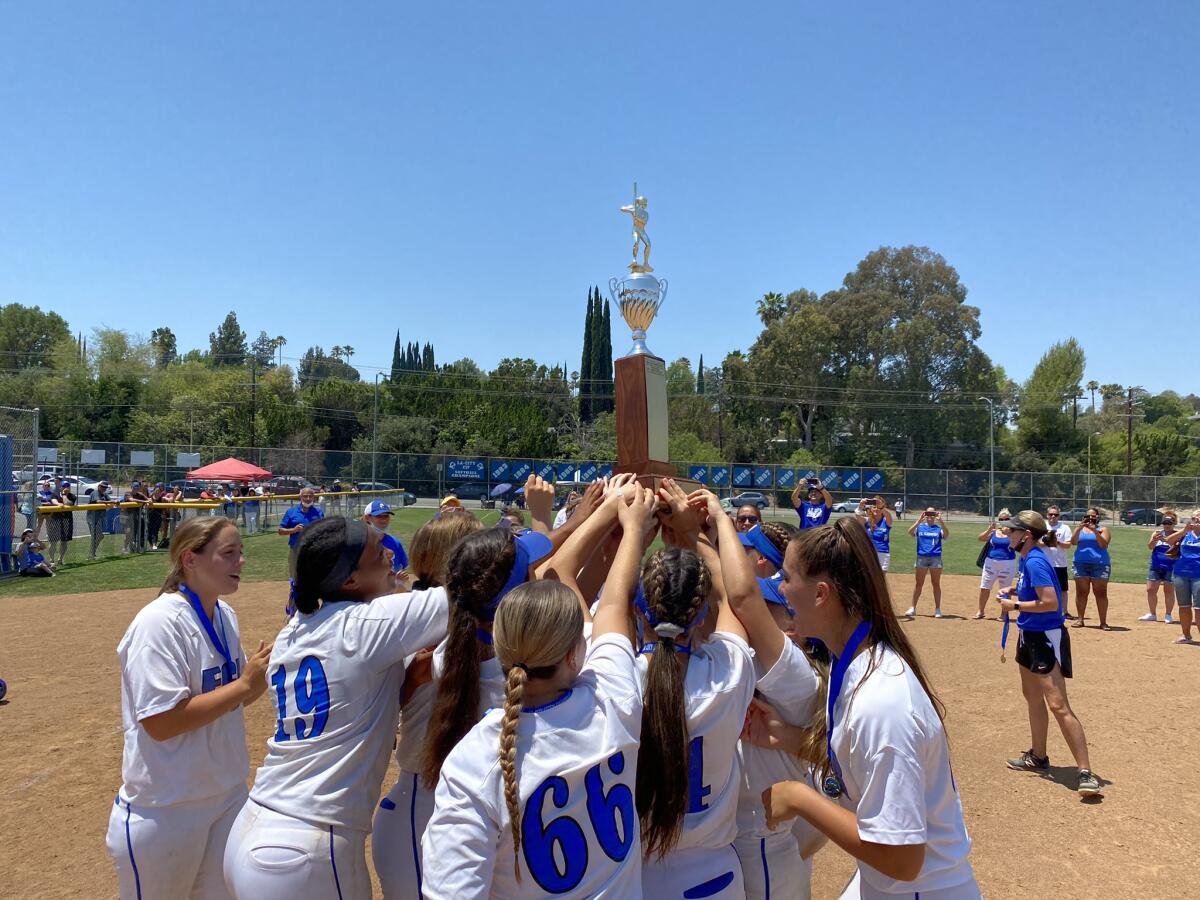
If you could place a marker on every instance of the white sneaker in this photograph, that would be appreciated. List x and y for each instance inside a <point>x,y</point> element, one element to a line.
<point>937,613</point>
<point>1149,617</point>
<point>1170,620</point>
<point>911,612</point>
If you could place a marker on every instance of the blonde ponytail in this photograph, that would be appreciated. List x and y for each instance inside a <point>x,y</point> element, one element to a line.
<point>514,692</point>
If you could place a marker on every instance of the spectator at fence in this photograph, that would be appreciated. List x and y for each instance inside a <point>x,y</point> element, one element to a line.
<point>295,520</point>
<point>30,561</point>
<point>250,507</point>
<point>154,517</point>
<point>1056,553</point>
<point>929,531</point>
<point>1162,563</point>
<point>817,508</point>
<point>171,517</point>
<point>1186,576</point>
<point>45,498</point>
<point>96,517</point>
<point>133,519</point>
<point>877,519</point>
<point>747,517</point>
<point>1093,566</point>
<point>228,507</point>
<point>1000,561</point>
<point>61,527</point>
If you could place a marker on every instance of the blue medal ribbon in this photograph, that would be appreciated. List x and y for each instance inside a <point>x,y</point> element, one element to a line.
<point>833,786</point>
<point>228,669</point>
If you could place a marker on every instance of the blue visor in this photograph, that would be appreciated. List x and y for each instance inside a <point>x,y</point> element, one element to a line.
<point>532,548</point>
<point>772,592</point>
<point>757,539</point>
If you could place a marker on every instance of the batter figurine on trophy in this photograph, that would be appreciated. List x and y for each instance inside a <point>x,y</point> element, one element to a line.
<point>641,377</point>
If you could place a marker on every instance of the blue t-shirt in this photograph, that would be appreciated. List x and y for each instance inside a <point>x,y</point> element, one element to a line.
<point>881,535</point>
<point>252,504</point>
<point>1159,558</point>
<point>929,540</point>
<point>1036,572</point>
<point>813,514</point>
<point>1188,564</point>
<point>999,547</point>
<point>1088,549</point>
<point>28,558</point>
<point>399,557</point>
<point>297,515</point>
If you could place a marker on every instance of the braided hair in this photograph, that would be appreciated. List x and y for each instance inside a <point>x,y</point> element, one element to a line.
<point>536,628</point>
<point>677,584</point>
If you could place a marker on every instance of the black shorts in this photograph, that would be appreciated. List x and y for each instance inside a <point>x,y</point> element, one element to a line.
<point>1036,651</point>
<point>1061,572</point>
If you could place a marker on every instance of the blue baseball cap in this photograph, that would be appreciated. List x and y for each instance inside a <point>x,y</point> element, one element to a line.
<point>757,539</point>
<point>772,592</point>
<point>377,508</point>
<point>532,547</point>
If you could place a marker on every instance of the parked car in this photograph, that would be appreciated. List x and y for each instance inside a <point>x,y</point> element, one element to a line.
<point>287,484</point>
<point>847,505</point>
<point>191,489</point>
<point>470,490</point>
<point>750,498</point>
<point>372,486</point>
<point>1075,513</point>
<point>1141,517</point>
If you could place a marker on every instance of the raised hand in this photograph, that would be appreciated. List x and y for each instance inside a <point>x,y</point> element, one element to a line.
<point>679,519</point>
<point>637,516</point>
<point>255,672</point>
<point>539,498</point>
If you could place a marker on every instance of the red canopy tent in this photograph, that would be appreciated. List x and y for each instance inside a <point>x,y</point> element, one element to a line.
<point>229,469</point>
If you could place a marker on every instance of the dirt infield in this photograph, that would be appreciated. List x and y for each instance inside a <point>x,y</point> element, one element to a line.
<point>1135,692</point>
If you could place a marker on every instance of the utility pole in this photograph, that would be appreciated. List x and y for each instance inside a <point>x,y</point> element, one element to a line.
<point>253,400</point>
<point>1129,433</point>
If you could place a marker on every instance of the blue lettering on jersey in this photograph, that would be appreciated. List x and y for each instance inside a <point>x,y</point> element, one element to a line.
<point>697,791</point>
<point>211,679</point>
<point>310,692</point>
<point>563,838</point>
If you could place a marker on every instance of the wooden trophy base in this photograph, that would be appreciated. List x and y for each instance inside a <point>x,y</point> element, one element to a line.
<point>641,397</point>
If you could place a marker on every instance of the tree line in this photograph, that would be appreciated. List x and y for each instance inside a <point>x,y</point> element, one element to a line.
<point>883,370</point>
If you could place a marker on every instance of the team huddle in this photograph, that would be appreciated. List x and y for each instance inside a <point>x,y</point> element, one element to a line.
<point>568,716</point>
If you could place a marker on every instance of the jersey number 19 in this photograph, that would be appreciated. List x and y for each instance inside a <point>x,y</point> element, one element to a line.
<point>310,696</point>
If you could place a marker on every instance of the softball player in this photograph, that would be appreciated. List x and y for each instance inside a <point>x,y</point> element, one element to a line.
<point>696,697</point>
<point>897,809</point>
<point>765,544</point>
<point>336,674</point>
<point>184,681</point>
<point>538,798</point>
<point>1000,565</point>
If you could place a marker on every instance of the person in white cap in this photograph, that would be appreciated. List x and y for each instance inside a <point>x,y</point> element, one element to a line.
<point>379,515</point>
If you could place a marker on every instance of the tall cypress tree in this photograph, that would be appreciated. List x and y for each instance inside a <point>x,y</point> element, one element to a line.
<point>585,365</point>
<point>427,363</point>
<point>606,359</point>
<point>397,357</point>
<point>700,376</point>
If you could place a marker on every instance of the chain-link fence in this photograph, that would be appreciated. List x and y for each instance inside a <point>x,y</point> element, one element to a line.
<point>18,468</point>
<point>474,477</point>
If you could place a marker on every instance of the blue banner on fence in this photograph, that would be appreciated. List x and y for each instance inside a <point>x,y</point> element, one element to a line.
<point>518,470</point>
<point>850,479</point>
<point>499,469</point>
<point>830,479</point>
<point>698,473</point>
<point>719,476</point>
<point>465,469</point>
<point>874,480</point>
<point>606,470</point>
<point>785,478</point>
<point>743,476</point>
<point>764,477</point>
<point>544,470</point>
<point>588,471</point>
<point>565,471</point>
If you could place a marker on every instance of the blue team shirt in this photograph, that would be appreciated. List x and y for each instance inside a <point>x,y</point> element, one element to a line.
<point>1159,558</point>
<point>813,514</point>
<point>1088,549</point>
<point>1188,564</point>
<point>1037,572</point>
<point>881,535</point>
<point>929,540</point>
<point>399,557</point>
<point>297,516</point>
<point>999,548</point>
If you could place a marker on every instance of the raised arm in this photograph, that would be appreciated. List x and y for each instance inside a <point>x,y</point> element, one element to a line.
<point>199,710</point>
<point>912,529</point>
<point>988,532</point>
<point>613,615</point>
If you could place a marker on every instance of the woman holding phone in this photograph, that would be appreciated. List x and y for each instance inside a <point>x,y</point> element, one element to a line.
<point>1093,566</point>
<point>817,508</point>
<point>1162,564</point>
<point>1186,576</point>
<point>878,521</point>
<point>930,531</point>
<point>1000,567</point>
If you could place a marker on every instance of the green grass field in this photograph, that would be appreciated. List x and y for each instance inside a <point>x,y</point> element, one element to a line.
<point>266,557</point>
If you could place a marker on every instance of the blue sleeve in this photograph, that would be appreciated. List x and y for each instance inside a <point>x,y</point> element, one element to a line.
<point>401,561</point>
<point>289,519</point>
<point>1040,574</point>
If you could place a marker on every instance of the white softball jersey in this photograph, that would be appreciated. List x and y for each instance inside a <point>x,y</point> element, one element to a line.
<point>576,767</point>
<point>166,657</point>
<point>335,678</point>
<point>895,763</point>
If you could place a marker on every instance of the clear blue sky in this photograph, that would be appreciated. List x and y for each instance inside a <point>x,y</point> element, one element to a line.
<point>334,172</point>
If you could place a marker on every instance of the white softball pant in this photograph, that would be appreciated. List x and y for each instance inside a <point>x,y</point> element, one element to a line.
<point>400,821</point>
<point>997,571</point>
<point>858,889</point>
<point>172,851</point>
<point>772,868</point>
<point>271,856</point>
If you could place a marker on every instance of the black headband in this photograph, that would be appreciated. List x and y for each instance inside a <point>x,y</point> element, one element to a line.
<point>352,549</point>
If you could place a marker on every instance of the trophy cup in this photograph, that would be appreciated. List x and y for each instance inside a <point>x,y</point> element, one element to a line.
<point>641,377</point>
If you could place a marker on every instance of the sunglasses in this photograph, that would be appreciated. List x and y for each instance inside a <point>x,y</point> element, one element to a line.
<point>1051,515</point>
<point>749,519</point>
